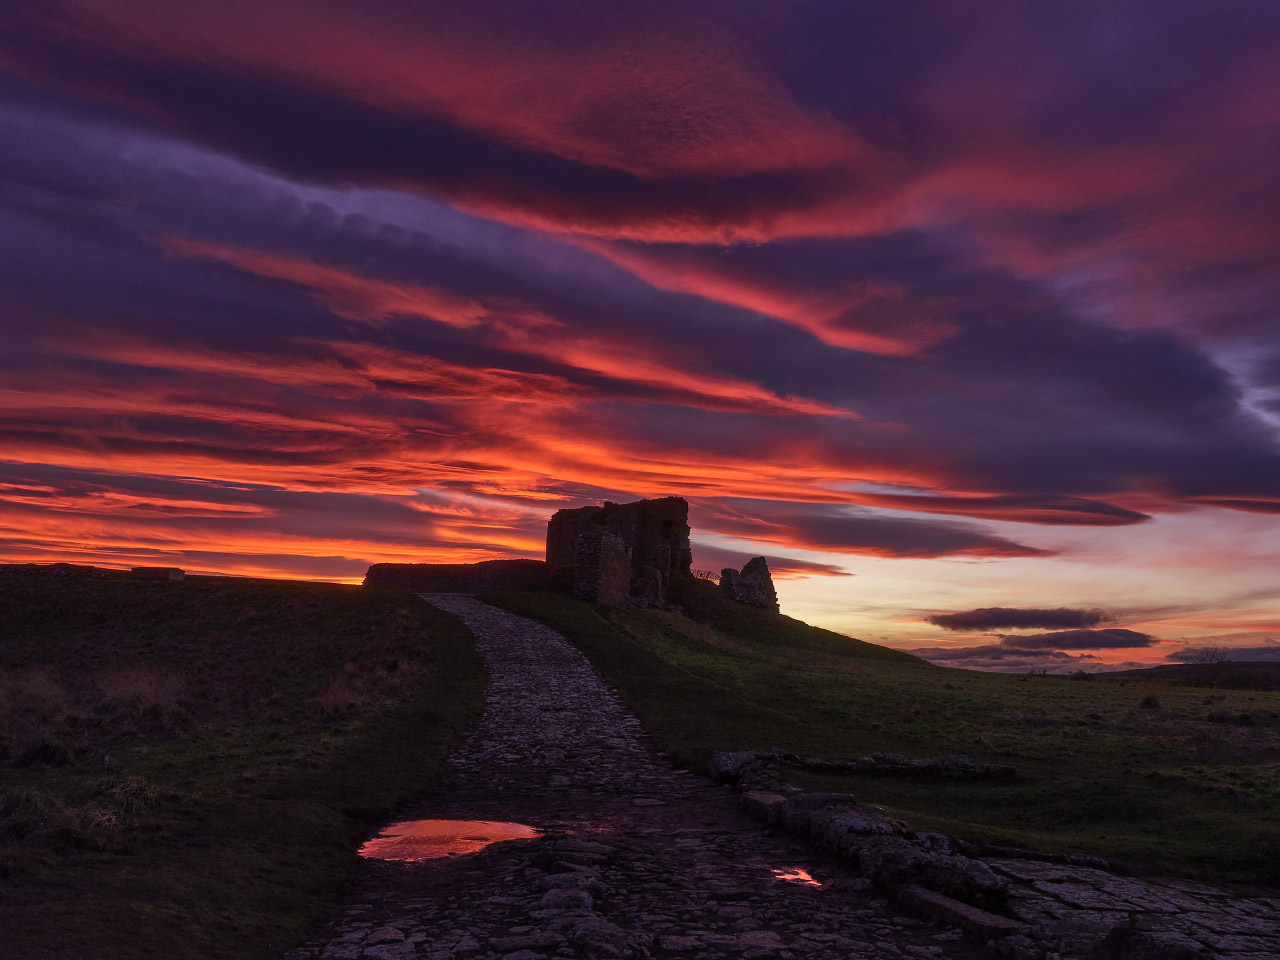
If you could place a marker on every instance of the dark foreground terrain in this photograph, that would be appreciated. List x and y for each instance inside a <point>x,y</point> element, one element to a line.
<point>1156,777</point>
<point>187,769</point>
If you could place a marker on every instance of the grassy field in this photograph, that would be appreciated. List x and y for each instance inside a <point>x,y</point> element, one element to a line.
<point>1190,786</point>
<point>186,769</point>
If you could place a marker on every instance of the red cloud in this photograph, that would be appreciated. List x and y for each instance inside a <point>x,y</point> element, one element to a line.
<point>650,123</point>
<point>1021,508</point>
<point>837,530</point>
<point>513,327</point>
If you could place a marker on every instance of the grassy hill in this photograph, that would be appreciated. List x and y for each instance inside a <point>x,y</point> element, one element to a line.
<point>1180,788</point>
<point>186,769</point>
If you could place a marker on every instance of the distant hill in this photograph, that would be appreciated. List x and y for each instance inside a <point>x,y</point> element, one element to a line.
<point>1245,675</point>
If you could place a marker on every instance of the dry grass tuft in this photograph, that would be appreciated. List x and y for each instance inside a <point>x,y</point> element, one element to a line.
<point>361,685</point>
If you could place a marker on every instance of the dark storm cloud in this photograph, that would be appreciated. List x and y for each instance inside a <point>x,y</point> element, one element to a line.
<point>1017,618</point>
<point>993,653</point>
<point>1054,650</point>
<point>430,133</point>
<point>1023,508</point>
<point>1000,660</point>
<point>1110,639</point>
<point>1047,413</point>
<point>850,530</point>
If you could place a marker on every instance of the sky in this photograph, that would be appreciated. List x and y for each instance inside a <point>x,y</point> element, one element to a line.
<point>964,315</point>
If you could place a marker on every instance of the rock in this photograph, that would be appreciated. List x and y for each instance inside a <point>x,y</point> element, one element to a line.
<point>1018,947</point>
<point>571,881</point>
<point>888,862</point>
<point>761,804</point>
<point>970,881</point>
<point>600,938</point>
<point>1122,943</point>
<point>957,765</point>
<point>564,901</point>
<point>571,845</point>
<point>836,829</point>
<point>820,801</point>
<point>760,939</point>
<point>542,940</point>
<point>894,863</point>
<point>675,944</point>
<point>934,842</point>
<point>728,766</point>
<point>1086,860</point>
<point>980,923</point>
<point>386,935</point>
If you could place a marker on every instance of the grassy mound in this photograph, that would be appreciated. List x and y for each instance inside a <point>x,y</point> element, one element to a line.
<point>186,769</point>
<point>1185,787</point>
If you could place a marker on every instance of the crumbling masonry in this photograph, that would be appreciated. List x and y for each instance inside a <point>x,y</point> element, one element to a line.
<point>587,547</point>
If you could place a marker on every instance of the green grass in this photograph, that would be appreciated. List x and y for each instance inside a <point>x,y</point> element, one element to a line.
<point>186,769</point>
<point>1162,790</point>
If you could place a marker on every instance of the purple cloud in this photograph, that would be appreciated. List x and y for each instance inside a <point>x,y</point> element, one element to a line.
<point>1016,618</point>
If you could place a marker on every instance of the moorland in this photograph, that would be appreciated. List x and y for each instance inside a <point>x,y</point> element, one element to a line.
<point>187,768</point>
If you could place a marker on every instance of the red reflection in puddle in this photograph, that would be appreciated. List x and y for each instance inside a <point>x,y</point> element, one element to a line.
<point>796,875</point>
<point>429,839</point>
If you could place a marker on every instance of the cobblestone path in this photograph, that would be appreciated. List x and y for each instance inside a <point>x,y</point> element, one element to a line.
<point>640,859</point>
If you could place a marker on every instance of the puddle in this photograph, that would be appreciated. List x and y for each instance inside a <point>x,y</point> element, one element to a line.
<point>430,839</point>
<point>795,875</point>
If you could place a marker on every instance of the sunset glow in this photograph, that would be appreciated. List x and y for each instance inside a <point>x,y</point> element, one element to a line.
<point>943,308</point>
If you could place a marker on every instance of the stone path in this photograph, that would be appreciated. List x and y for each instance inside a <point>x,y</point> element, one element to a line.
<point>643,860</point>
<point>640,860</point>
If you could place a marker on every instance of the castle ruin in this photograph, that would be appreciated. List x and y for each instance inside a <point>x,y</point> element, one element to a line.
<point>613,554</point>
<point>622,551</point>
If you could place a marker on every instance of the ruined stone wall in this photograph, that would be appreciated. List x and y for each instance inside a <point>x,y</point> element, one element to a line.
<point>753,585</point>
<point>459,577</point>
<point>157,573</point>
<point>602,573</point>
<point>657,532</point>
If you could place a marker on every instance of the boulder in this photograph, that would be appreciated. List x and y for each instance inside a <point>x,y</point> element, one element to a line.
<point>893,863</point>
<point>762,805</point>
<point>728,766</point>
<point>1123,943</point>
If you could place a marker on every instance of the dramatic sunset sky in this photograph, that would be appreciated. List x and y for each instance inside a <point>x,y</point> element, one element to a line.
<point>941,306</point>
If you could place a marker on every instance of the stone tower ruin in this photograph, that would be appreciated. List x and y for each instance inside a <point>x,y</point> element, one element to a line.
<point>622,551</point>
